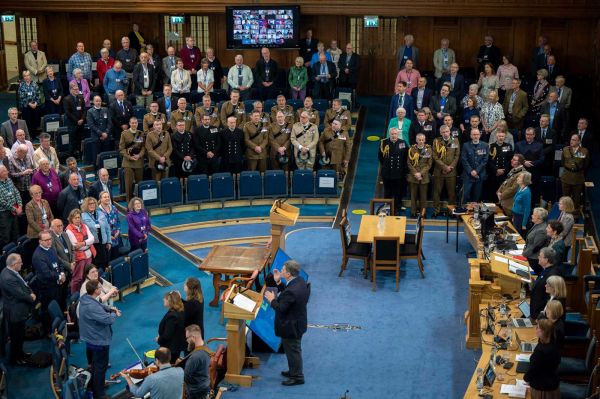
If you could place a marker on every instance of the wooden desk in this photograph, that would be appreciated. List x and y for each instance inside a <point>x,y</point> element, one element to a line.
<point>473,235</point>
<point>508,376</point>
<point>395,226</point>
<point>233,261</point>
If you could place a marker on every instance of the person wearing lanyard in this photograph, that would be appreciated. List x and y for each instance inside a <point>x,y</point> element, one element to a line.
<point>53,93</point>
<point>97,224</point>
<point>206,80</point>
<point>298,78</point>
<point>139,224</point>
<point>38,211</point>
<point>144,80</point>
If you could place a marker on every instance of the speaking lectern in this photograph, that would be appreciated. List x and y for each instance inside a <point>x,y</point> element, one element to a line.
<point>240,304</point>
<point>281,215</point>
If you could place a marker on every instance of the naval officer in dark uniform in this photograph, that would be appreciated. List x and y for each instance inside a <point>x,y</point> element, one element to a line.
<point>232,139</point>
<point>207,145</point>
<point>392,156</point>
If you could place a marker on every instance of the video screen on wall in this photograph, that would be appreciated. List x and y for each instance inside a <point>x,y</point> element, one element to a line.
<point>262,26</point>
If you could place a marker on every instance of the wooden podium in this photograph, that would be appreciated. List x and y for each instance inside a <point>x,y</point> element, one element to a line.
<point>281,215</point>
<point>236,335</point>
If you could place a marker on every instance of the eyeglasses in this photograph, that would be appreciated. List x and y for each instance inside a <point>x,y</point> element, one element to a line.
<point>45,239</point>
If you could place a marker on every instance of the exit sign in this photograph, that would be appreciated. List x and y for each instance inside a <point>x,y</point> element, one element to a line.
<point>371,21</point>
<point>177,19</point>
<point>8,18</point>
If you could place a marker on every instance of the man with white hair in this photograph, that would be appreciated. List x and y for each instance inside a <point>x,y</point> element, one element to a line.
<point>8,130</point>
<point>21,171</point>
<point>443,58</point>
<point>408,52</point>
<point>240,77</point>
<point>11,206</point>
<point>35,62</point>
<point>128,56</point>
<point>120,112</point>
<point>75,115</point>
<point>304,139</point>
<point>46,151</point>
<point>102,184</point>
<point>21,140</point>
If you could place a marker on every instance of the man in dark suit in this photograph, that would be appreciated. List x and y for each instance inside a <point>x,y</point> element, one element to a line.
<point>536,238</point>
<point>75,117</point>
<point>553,70</point>
<point>266,71</point>
<point>421,95</point>
<point>585,135</point>
<point>18,302</point>
<point>102,184</point>
<point>488,52</point>
<point>167,104</point>
<point>443,104</point>
<point>71,197</point>
<point>548,137</point>
<point>401,99</point>
<point>144,79</point>
<point>538,50</point>
<point>539,297</point>
<point>422,125</point>
<point>50,276</point>
<point>456,80</point>
<point>290,317</point>
<point>558,117</point>
<point>349,64</point>
<point>308,46</point>
<point>323,73</point>
<point>120,111</point>
<point>9,128</point>
<point>62,245</point>
<point>541,60</point>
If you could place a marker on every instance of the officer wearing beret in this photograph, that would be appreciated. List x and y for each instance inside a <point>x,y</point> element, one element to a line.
<point>256,139</point>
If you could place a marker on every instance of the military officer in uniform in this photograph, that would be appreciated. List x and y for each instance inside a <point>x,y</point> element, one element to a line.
<point>575,160</point>
<point>183,150</point>
<point>508,188</point>
<point>282,106</point>
<point>446,153</point>
<point>499,160</point>
<point>336,112</point>
<point>420,159</point>
<point>305,137</point>
<point>392,157</point>
<point>98,120</point>
<point>153,116</point>
<point>256,139</point>
<point>258,106</point>
<point>132,149</point>
<point>159,149</point>
<point>207,145</point>
<point>449,121</point>
<point>279,140</point>
<point>335,145</point>
<point>182,114</point>
<point>207,109</point>
<point>474,159</point>
<point>233,107</point>
<point>232,144</point>
<point>313,114</point>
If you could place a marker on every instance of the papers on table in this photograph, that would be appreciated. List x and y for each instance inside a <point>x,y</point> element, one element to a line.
<point>521,246</point>
<point>244,302</point>
<point>518,390</point>
<point>516,252</point>
<point>523,357</point>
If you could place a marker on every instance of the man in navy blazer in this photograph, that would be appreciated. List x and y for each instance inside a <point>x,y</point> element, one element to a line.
<point>421,95</point>
<point>18,302</point>
<point>290,317</point>
<point>539,297</point>
<point>102,184</point>
<point>456,80</point>
<point>323,73</point>
<point>401,99</point>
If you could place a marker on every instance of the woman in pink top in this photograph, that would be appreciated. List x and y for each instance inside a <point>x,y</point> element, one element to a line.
<point>409,75</point>
<point>506,73</point>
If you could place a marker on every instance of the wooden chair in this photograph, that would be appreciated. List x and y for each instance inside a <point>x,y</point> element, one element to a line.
<point>414,250</point>
<point>351,248</point>
<point>379,201</point>
<point>386,256</point>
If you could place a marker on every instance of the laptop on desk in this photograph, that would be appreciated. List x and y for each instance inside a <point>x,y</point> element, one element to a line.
<point>524,322</point>
<point>524,346</point>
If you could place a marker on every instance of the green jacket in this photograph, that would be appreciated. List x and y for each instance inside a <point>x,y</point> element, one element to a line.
<point>298,77</point>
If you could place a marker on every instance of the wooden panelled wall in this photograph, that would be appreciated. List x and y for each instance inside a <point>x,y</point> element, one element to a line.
<point>572,39</point>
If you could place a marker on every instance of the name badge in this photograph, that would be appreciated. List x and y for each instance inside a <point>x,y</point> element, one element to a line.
<point>105,116</point>
<point>97,225</point>
<point>455,133</point>
<point>427,127</point>
<point>580,155</point>
<point>29,93</point>
<point>446,59</point>
<point>405,57</point>
<point>342,137</point>
<point>548,141</point>
<point>80,201</point>
<point>186,118</point>
<point>426,155</point>
<point>127,59</point>
<point>143,228</point>
<point>241,111</point>
<point>82,64</point>
<point>453,145</point>
<point>54,91</point>
<point>343,117</point>
<point>481,152</point>
<point>505,149</point>
<point>78,108</point>
<point>192,56</point>
<point>214,130</point>
<point>485,57</point>
<point>139,140</point>
<point>263,130</point>
<point>55,265</point>
<point>118,80</point>
<point>66,250</point>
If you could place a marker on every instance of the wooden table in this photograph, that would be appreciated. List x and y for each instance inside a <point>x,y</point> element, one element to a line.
<point>395,226</point>
<point>233,261</point>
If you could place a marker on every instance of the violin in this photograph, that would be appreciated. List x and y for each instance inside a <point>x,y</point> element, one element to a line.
<point>138,374</point>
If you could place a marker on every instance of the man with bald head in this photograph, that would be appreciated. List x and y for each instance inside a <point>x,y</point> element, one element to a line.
<point>348,63</point>
<point>21,171</point>
<point>169,63</point>
<point>11,206</point>
<point>323,73</point>
<point>240,77</point>
<point>103,183</point>
<point>21,140</point>
<point>62,244</point>
<point>266,74</point>
<point>443,58</point>
<point>120,111</point>
<point>8,130</point>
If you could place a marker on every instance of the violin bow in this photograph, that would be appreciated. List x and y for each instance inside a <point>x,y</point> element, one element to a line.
<point>134,351</point>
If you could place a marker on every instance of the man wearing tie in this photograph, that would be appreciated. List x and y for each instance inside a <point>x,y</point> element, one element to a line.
<point>547,136</point>
<point>558,117</point>
<point>18,302</point>
<point>553,70</point>
<point>167,104</point>
<point>102,184</point>
<point>323,71</point>
<point>585,135</point>
<point>401,99</point>
<point>168,64</point>
<point>349,64</point>
<point>62,245</point>
<point>443,58</point>
<point>240,77</point>
<point>120,113</point>
<point>564,92</point>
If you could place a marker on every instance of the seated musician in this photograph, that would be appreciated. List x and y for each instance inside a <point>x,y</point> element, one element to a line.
<point>166,383</point>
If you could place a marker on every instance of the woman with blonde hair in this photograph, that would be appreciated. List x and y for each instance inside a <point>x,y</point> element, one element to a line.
<point>557,290</point>
<point>171,330</point>
<point>96,221</point>
<point>567,208</point>
<point>38,211</point>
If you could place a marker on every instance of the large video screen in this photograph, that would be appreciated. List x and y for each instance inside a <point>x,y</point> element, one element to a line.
<point>262,26</point>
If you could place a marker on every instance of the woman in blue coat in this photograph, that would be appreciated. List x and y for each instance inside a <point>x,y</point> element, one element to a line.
<point>97,223</point>
<point>522,202</point>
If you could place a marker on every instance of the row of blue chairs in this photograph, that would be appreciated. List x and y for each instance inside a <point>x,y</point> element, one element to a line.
<point>247,185</point>
<point>130,270</point>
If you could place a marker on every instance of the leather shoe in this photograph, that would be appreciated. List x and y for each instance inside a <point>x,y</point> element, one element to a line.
<point>286,374</point>
<point>292,381</point>
<point>20,362</point>
<point>27,355</point>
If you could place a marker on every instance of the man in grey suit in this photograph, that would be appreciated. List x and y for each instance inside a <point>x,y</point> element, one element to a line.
<point>169,63</point>
<point>9,128</point>
<point>18,302</point>
<point>443,58</point>
<point>408,51</point>
<point>62,245</point>
<point>536,238</point>
<point>564,92</point>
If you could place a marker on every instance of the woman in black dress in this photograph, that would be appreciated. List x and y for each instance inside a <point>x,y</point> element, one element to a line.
<point>542,375</point>
<point>171,330</point>
<point>194,303</point>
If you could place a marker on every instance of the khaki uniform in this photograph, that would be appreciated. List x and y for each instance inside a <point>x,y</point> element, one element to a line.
<point>265,118</point>
<point>337,146</point>
<point>313,115</point>
<point>575,163</point>
<point>445,153</point>
<point>508,188</point>
<point>158,145</point>
<point>228,109</point>
<point>279,136</point>
<point>129,145</point>
<point>256,135</point>
<point>288,111</point>
<point>419,160</point>
<point>305,136</point>
<point>343,115</point>
<point>212,111</point>
<point>149,120</point>
<point>186,116</point>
